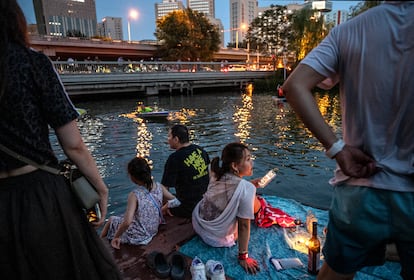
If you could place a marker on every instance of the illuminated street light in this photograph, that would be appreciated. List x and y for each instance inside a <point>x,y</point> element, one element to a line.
<point>133,14</point>
<point>242,27</point>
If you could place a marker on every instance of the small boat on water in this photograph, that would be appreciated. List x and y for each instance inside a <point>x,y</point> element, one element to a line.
<point>153,114</point>
<point>148,112</point>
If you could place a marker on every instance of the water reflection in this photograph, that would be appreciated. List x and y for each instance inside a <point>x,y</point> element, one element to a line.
<point>242,117</point>
<point>144,137</point>
<point>271,129</point>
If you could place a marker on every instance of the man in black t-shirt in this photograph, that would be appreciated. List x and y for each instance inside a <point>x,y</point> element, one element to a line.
<point>186,170</point>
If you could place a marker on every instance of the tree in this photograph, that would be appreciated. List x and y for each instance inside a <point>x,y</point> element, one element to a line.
<point>270,31</point>
<point>363,6</point>
<point>307,31</point>
<point>187,35</point>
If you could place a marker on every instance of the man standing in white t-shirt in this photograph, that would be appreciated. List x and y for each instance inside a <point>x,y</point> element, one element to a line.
<point>372,57</point>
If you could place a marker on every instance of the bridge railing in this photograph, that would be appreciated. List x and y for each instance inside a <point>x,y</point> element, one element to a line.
<point>113,67</point>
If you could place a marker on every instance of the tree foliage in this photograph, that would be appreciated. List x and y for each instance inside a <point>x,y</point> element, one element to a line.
<point>270,32</point>
<point>278,32</point>
<point>307,31</point>
<point>187,35</point>
<point>363,6</point>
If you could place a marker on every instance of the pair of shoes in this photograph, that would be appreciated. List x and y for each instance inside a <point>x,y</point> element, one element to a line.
<point>178,266</point>
<point>198,269</point>
<point>158,264</point>
<point>215,270</point>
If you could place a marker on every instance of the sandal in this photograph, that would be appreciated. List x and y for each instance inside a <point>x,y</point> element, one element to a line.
<point>158,264</point>
<point>178,266</point>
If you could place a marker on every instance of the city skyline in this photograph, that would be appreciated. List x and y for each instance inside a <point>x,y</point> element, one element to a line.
<point>143,27</point>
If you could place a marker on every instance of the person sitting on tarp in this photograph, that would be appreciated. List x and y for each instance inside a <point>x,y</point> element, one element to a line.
<point>227,208</point>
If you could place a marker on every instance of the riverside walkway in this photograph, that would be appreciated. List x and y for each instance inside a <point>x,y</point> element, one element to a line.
<point>153,77</point>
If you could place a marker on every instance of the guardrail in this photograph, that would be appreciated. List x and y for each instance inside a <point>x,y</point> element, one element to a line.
<point>108,67</point>
<point>151,78</point>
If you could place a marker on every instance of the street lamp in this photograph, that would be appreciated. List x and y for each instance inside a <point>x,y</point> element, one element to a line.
<point>242,27</point>
<point>133,14</point>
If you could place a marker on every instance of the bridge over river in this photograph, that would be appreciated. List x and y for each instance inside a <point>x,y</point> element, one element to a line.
<point>152,78</point>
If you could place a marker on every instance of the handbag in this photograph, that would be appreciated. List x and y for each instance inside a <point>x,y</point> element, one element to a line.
<point>82,188</point>
<point>84,191</point>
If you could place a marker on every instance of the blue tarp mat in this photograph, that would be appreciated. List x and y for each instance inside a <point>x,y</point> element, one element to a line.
<point>271,242</point>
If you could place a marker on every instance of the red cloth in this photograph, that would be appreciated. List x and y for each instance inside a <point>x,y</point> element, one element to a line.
<point>269,215</point>
<point>280,92</point>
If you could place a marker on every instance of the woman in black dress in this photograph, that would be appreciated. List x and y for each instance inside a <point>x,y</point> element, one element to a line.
<point>44,232</point>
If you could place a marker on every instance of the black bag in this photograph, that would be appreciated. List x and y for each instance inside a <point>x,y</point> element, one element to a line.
<point>84,191</point>
<point>82,188</point>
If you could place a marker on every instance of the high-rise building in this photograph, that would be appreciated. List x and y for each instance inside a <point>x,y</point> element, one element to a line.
<point>166,7</point>
<point>208,9</point>
<point>320,5</point>
<point>66,17</point>
<point>202,6</point>
<point>242,13</point>
<point>111,27</point>
<point>337,17</point>
<point>217,22</point>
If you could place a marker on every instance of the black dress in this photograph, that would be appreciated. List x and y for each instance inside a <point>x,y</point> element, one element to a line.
<point>44,233</point>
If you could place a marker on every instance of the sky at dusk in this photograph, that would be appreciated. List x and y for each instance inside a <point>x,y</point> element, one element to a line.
<point>144,26</point>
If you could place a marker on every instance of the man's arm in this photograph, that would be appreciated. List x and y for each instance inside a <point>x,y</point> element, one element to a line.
<point>353,161</point>
<point>297,89</point>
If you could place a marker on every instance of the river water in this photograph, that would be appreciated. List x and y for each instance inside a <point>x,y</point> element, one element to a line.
<point>271,129</point>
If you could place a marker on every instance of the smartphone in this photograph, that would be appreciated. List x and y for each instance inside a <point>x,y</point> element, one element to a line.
<point>270,175</point>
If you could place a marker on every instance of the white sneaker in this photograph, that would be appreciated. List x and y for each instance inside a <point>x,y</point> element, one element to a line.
<point>198,269</point>
<point>172,203</point>
<point>215,270</point>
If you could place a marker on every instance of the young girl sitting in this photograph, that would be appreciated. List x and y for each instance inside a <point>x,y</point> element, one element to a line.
<point>137,226</point>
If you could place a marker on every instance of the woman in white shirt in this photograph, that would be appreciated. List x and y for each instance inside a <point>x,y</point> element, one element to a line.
<point>227,208</point>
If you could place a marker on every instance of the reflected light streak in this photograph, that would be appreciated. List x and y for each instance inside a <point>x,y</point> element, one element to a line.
<point>92,131</point>
<point>183,115</point>
<point>144,137</point>
<point>330,110</point>
<point>242,117</point>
